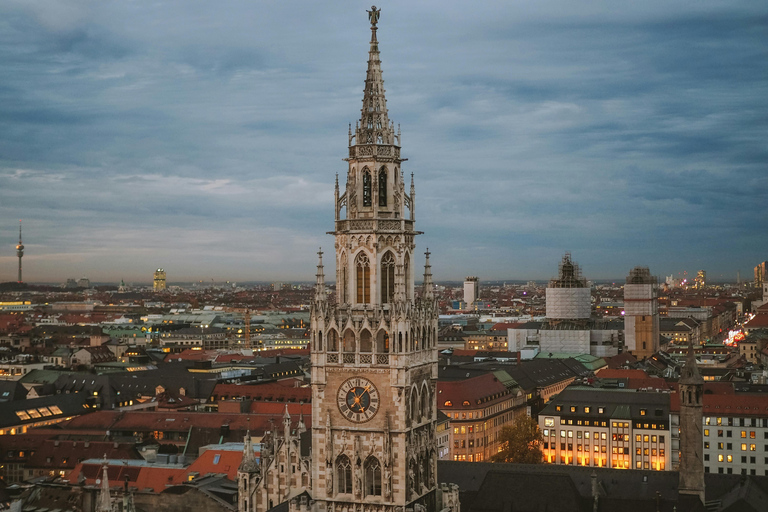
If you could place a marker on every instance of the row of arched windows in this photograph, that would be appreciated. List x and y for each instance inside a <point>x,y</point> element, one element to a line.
<point>371,476</point>
<point>363,278</point>
<point>367,184</point>
<point>421,405</point>
<point>420,338</point>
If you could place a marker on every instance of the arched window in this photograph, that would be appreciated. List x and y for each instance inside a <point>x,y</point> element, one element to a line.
<point>319,346</point>
<point>333,341</point>
<point>415,406</point>
<point>382,342</point>
<point>343,286</point>
<point>425,402</point>
<point>372,477</point>
<point>363,279</point>
<point>366,187</point>
<point>344,474</point>
<point>366,341</point>
<point>387,278</point>
<point>383,187</point>
<point>349,341</point>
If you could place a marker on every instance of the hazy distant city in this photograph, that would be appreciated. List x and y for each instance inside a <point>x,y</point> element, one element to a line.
<point>239,285</point>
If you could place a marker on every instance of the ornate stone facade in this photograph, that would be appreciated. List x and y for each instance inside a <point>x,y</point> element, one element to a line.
<point>374,355</point>
<point>373,350</point>
<point>282,471</point>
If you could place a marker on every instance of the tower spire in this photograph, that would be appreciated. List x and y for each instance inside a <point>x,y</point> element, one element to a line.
<point>320,284</point>
<point>20,250</point>
<point>104,503</point>
<point>374,127</point>
<point>427,278</point>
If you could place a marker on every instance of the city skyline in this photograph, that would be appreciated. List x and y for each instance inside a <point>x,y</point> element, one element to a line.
<point>205,139</point>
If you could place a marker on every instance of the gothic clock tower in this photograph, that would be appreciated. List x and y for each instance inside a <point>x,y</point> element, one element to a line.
<point>374,355</point>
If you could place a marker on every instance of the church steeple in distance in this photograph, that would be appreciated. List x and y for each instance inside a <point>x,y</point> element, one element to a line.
<point>691,389</point>
<point>20,251</point>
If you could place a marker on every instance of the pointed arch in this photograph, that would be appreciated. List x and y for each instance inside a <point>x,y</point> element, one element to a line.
<point>387,277</point>
<point>382,342</point>
<point>415,399</point>
<point>426,411</point>
<point>363,278</point>
<point>372,474</point>
<point>349,341</point>
<point>343,475</point>
<point>366,186</point>
<point>366,341</point>
<point>383,186</point>
<point>333,340</point>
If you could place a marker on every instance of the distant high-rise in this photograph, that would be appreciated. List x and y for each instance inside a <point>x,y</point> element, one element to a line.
<point>159,282</point>
<point>471,289</point>
<point>568,296</point>
<point>641,313</point>
<point>20,251</point>
<point>760,273</point>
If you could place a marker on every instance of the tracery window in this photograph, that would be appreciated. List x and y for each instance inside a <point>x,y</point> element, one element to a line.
<point>387,278</point>
<point>382,187</point>
<point>372,477</point>
<point>366,188</point>
<point>344,474</point>
<point>363,279</point>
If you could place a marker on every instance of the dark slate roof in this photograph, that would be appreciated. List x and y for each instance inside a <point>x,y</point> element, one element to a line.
<point>520,488</point>
<point>545,372</point>
<point>616,403</point>
<point>68,405</point>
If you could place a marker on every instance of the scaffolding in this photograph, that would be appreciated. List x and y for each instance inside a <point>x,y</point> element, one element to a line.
<point>569,274</point>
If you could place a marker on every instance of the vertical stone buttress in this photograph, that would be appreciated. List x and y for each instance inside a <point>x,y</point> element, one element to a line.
<point>374,349</point>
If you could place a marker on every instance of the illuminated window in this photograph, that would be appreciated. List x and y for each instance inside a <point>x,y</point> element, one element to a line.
<point>448,403</point>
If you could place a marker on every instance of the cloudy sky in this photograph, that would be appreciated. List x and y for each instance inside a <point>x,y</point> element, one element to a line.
<point>203,137</point>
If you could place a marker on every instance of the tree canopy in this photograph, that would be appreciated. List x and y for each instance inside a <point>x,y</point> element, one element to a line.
<point>521,442</point>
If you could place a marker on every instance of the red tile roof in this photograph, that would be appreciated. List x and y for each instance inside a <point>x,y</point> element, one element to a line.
<point>227,463</point>
<point>465,394</point>
<point>271,391</point>
<point>747,404</point>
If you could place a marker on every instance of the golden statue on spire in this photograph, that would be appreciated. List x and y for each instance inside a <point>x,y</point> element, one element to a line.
<point>373,15</point>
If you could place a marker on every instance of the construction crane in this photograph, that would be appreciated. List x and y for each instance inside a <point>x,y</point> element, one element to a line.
<point>246,312</point>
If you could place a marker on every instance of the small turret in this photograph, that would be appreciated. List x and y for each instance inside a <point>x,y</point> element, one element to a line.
<point>320,283</point>
<point>427,290</point>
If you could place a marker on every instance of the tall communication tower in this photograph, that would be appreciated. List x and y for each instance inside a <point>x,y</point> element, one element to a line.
<point>20,251</point>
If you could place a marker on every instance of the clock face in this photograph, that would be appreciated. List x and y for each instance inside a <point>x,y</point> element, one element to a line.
<point>358,399</point>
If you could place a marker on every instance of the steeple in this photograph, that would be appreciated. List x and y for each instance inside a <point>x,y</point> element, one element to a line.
<point>374,126</point>
<point>20,251</point>
<point>691,392</point>
<point>104,503</point>
<point>690,372</point>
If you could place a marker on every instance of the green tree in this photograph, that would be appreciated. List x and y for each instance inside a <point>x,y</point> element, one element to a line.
<point>521,442</point>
